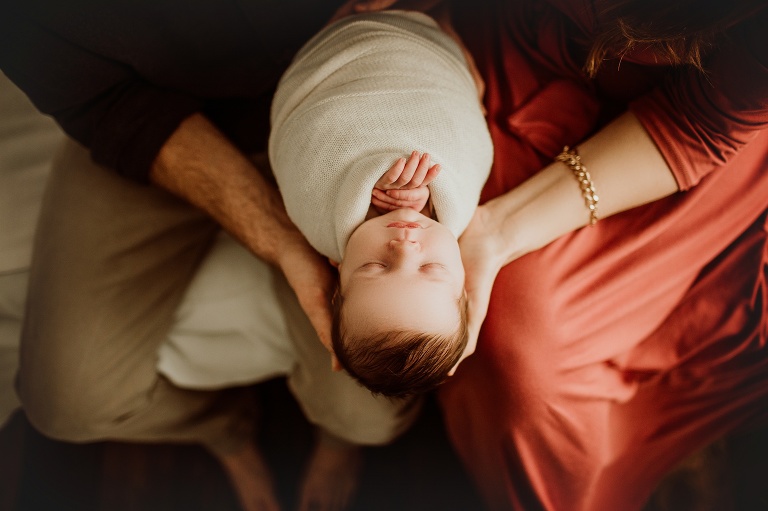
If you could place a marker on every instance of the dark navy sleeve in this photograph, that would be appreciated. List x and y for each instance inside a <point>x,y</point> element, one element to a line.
<point>99,102</point>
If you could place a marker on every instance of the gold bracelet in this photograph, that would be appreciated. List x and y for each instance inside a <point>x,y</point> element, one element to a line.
<point>571,158</point>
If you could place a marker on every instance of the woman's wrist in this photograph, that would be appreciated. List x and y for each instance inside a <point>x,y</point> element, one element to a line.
<point>534,214</point>
<point>500,238</point>
<point>625,168</point>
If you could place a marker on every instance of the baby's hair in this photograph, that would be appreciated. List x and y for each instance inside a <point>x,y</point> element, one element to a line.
<point>399,363</point>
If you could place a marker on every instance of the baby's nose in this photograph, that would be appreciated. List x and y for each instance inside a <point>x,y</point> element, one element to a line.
<point>404,245</point>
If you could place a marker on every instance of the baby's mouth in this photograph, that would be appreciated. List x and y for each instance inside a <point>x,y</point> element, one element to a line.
<point>404,225</point>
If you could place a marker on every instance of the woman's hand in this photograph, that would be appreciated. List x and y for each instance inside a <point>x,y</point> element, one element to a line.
<point>404,185</point>
<point>483,255</point>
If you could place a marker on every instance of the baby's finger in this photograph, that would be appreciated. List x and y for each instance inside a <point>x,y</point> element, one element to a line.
<point>391,175</point>
<point>421,171</point>
<point>432,173</point>
<point>415,198</point>
<point>403,204</point>
<point>408,194</point>
<point>408,170</point>
<point>385,206</point>
<point>383,197</point>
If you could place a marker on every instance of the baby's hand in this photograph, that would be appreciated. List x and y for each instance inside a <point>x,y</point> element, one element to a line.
<point>404,185</point>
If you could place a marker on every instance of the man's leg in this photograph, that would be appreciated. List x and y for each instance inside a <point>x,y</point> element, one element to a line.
<point>111,262</point>
<point>346,414</point>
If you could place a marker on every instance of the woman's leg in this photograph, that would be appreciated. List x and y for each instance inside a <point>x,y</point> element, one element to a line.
<point>581,392</point>
<point>612,353</point>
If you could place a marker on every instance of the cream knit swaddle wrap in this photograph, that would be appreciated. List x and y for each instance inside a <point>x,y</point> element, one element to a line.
<point>362,93</point>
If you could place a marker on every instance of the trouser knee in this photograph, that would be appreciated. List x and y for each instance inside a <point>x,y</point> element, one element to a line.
<point>67,416</point>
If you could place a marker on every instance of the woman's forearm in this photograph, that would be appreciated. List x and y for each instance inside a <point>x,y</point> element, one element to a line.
<point>627,171</point>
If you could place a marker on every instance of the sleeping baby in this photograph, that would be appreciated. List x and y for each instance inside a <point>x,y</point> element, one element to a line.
<point>362,94</point>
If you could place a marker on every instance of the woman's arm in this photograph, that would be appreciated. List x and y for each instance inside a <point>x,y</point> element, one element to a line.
<point>692,124</point>
<point>627,170</point>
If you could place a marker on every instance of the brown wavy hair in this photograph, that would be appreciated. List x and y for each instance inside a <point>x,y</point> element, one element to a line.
<point>679,31</point>
<point>399,363</point>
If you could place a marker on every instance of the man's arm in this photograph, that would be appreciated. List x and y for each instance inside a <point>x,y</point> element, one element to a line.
<point>103,104</point>
<point>200,165</point>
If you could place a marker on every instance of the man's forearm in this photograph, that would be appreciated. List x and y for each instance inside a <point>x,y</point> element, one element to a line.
<point>199,164</point>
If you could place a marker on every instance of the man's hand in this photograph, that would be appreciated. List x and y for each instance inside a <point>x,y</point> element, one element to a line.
<point>404,185</point>
<point>313,280</point>
<point>360,6</point>
<point>199,164</point>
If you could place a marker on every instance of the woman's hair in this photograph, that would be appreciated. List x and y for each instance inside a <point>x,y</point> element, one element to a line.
<point>679,31</point>
<point>399,363</point>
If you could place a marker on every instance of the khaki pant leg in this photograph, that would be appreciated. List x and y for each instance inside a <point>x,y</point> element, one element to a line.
<point>332,400</point>
<point>111,262</point>
<point>230,329</point>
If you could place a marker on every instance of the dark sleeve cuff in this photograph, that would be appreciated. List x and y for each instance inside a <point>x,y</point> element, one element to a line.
<point>130,135</point>
<point>102,104</point>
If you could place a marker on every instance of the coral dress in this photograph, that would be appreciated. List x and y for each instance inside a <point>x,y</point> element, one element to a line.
<point>615,351</point>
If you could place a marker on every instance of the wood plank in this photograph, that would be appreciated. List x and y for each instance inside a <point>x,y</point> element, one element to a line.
<point>11,459</point>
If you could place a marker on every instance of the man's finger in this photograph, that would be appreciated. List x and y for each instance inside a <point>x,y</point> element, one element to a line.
<point>319,313</point>
<point>372,5</point>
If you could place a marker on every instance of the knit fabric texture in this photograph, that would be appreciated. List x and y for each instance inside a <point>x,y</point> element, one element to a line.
<point>362,93</point>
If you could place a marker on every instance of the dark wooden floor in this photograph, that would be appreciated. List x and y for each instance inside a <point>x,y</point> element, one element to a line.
<point>418,472</point>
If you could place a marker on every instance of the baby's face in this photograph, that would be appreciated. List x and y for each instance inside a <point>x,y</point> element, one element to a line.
<point>402,270</point>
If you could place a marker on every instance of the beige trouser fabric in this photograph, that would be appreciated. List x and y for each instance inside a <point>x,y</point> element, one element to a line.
<point>111,262</point>
<point>239,322</point>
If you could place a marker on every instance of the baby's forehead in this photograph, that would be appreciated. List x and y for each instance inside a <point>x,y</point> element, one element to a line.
<point>419,307</point>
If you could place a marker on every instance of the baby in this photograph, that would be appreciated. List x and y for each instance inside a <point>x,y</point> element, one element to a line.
<point>360,95</point>
<point>400,310</point>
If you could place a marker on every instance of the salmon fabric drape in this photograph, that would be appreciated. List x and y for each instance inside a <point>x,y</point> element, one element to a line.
<point>615,351</point>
